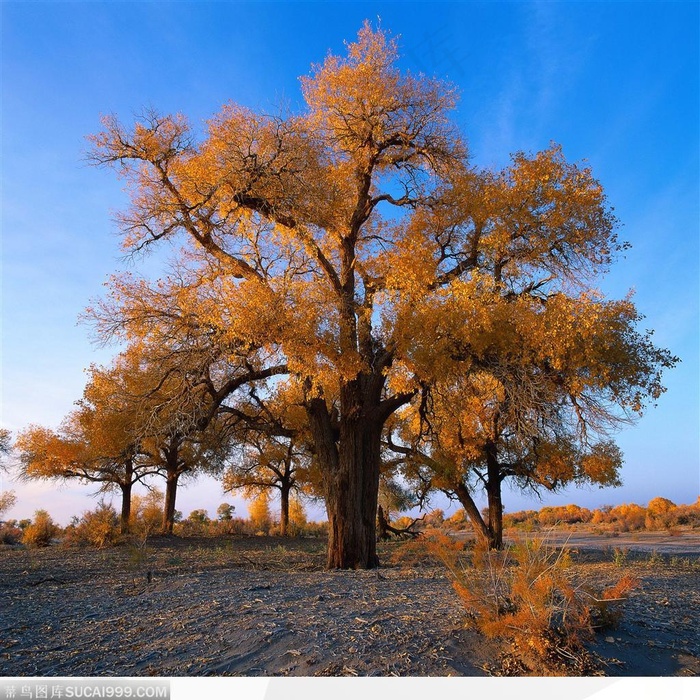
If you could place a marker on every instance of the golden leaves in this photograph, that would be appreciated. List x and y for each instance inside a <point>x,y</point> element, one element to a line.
<point>357,230</point>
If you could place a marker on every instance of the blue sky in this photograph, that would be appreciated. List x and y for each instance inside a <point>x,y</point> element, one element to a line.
<point>615,83</point>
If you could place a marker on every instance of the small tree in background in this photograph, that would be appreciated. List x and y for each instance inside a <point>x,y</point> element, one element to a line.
<point>259,512</point>
<point>199,516</point>
<point>225,512</point>
<point>5,447</point>
<point>297,516</point>
<point>266,463</point>
<point>7,501</point>
<point>9,532</point>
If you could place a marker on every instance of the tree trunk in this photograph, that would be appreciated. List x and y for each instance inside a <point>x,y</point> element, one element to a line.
<point>349,456</point>
<point>353,489</point>
<point>169,506</point>
<point>126,507</point>
<point>383,525</point>
<point>284,510</point>
<point>481,529</point>
<point>493,492</point>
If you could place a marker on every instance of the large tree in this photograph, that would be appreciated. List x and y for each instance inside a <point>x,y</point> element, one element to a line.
<point>349,251</point>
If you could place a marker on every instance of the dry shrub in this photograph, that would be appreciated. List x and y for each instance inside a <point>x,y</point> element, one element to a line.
<point>524,596</point>
<point>96,528</point>
<point>606,608</point>
<point>521,519</point>
<point>146,516</point>
<point>432,544</point>
<point>570,514</point>
<point>41,531</point>
<point>10,534</point>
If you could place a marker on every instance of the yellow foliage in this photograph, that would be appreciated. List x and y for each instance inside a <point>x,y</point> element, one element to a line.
<point>524,594</point>
<point>259,512</point>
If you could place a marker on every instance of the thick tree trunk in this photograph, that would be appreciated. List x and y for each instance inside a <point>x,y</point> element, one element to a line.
<point>349,455</point>
<point>493,492</point>
<point>169,505</point>
<point>126,507</point>
<point>284,510</point>
<point>352,495</point>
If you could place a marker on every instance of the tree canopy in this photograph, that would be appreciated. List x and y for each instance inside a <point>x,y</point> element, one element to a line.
<point>352,257</point>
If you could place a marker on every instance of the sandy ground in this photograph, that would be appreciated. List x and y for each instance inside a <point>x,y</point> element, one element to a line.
<point>264,606</point>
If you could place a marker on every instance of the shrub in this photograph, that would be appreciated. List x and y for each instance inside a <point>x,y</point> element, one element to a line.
<point>41,531</point>
<point>435,518</point>
<point>524,596</point>
<point>571,514</point>
<point>522,519</point>
<point>688,515</point>
<point>660,513</point>
<point>458,520</point>
<point>97,528</point>
<point>628,517</point>
<point>10,533</point>
<point>606,609</point>
<point>146,516</point>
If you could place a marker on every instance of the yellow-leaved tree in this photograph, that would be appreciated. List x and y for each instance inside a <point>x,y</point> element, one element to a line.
<point>98,442</point>
<point>348,254</point>
<point>137,419</point>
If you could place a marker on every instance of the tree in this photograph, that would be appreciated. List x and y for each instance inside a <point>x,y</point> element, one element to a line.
<point>7,501</point>
<point>128,426</point>
<point>8,498</point>
<point>539,415</point>
<point>265,463</point>
<point>259,511</point>
<point>96,443</point>
<point>287,211</point>
<point>174,432</point>
<point>5,446</point>
<point>225,511</point>
<point>199,516</point>
<point>349,251</point>
<point>175,454</point>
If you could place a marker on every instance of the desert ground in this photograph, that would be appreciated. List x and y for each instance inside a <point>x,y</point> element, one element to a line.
<point>252,606</point>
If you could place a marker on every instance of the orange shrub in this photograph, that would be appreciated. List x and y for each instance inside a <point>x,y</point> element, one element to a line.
<point>41,531</point>
<point>522,519</point>
<point>524,595</point>
<point>98,528</point>
<point>570,514</point>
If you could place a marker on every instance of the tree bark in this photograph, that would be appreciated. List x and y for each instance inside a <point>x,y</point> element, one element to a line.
<point>171,480</point>
<point>126,507</point>
<point>284,510</point>
<point>383,524</point>
<point>349,456</point>
<point>481,529</point>
<point>493,492</point>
